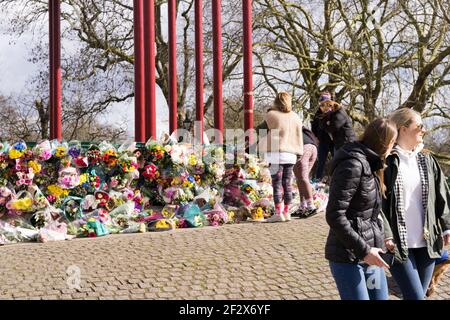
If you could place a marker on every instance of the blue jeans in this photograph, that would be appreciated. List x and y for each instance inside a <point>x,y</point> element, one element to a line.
<point>322,155</point>
<point>360,281</point>
<point>414,276</point>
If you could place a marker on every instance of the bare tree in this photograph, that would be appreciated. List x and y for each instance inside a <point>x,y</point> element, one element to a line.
<point>100,46</point>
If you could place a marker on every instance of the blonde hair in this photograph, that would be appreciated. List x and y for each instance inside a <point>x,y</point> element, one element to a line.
<point>403,117</point>
<point>283,102</point>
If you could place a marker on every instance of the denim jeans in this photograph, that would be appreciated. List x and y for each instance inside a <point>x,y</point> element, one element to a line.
<point>359,281</point>
<point>414,276</point>
<point>322,155</point>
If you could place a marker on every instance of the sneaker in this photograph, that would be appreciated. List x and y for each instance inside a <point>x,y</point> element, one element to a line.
<point>287,216</point>
<point>298,213</point>
<point>309,212</point>
<point>276,218</point>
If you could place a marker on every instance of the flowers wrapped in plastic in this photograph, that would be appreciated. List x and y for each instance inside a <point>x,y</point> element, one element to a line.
<point>193,216</point>
<point>17,150</point>
<point>43,150</point>
<point>161,225</point>
<point>72,208</point>
<point>216,216</point>
<point>69,178</point>
<point>59,150</point>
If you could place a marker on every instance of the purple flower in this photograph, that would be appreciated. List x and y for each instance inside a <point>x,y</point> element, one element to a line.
<point>74,152</point>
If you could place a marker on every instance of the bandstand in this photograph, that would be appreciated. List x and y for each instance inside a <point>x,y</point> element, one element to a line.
<point>145,70</point>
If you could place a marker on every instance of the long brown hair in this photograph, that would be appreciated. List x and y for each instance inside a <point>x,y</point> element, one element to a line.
<point>333,105</point>
<point>377,136</point>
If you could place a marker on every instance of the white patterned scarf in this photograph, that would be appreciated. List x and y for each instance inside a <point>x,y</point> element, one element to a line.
<point>400,201</point>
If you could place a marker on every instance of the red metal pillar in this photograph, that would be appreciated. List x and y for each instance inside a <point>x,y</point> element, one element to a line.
<point>217,61</point>
<point>199,83</point>
<point>139,88</point>
<point>173,83</point>
<point>55,69</point>
<point>150,69</point>
<point>51,103</point>
<point>248,68</point>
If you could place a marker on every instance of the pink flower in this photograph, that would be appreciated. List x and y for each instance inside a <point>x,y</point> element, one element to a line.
<point>128,194</point>
<point>113,183</point>
<point>45,155</point>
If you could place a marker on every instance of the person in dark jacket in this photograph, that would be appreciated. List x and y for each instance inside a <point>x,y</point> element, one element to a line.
<point>416,208</point>
<point>326,145</point>
<point>356,236</point>
<point>336,122</point>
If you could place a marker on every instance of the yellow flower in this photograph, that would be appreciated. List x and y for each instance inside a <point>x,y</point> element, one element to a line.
<point>111,153</point>
<point>35,166</point>
<point>162,224</point>
<point>83,178</point>
<point>57,191</point>
<point>23,204</point>
<point>60,152</point>
<point>175,181</point>
<point>192,160</point>
<point>15,154</point>
<point>198,221</point>
<point>259,214</point>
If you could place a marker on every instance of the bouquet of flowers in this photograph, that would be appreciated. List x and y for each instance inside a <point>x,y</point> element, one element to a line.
<point>249,194</point>
<point>155,152</point>
<point>217,216</point>
<point>69,178</point>
<point>59,150</point>
<point>74,149</point>
<point>43,151</point>
<point>17,150</point>
<point>252,167</point>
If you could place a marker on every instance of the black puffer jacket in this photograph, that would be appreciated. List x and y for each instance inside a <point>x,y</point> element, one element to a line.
<point>318,130</point>
<point>340,126</point>
<point>353,210</point>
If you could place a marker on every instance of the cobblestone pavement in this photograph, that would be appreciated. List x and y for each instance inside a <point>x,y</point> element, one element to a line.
<point>244,261</point>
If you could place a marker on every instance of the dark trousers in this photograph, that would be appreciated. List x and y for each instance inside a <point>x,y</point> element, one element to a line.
<point>322,156</point>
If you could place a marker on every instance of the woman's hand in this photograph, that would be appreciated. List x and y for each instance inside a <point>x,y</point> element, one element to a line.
<point>374,259</point>
<point>390,245</point>
<point>447,239</point>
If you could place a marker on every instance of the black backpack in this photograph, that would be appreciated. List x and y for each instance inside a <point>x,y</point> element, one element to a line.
<point>310,136</point>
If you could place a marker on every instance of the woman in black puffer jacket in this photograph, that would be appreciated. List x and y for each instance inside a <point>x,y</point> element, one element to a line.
<point>356,234</point>
<point>336,122</point>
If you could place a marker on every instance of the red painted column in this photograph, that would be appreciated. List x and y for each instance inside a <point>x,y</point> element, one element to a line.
<point>51,103</point>
<point>173,83</point>
<point>55,70</point>
<point>217,61</point>
<point>199,83</point>
<point>248,68</point>
<point>139,88</point>
<point>150,69</point>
